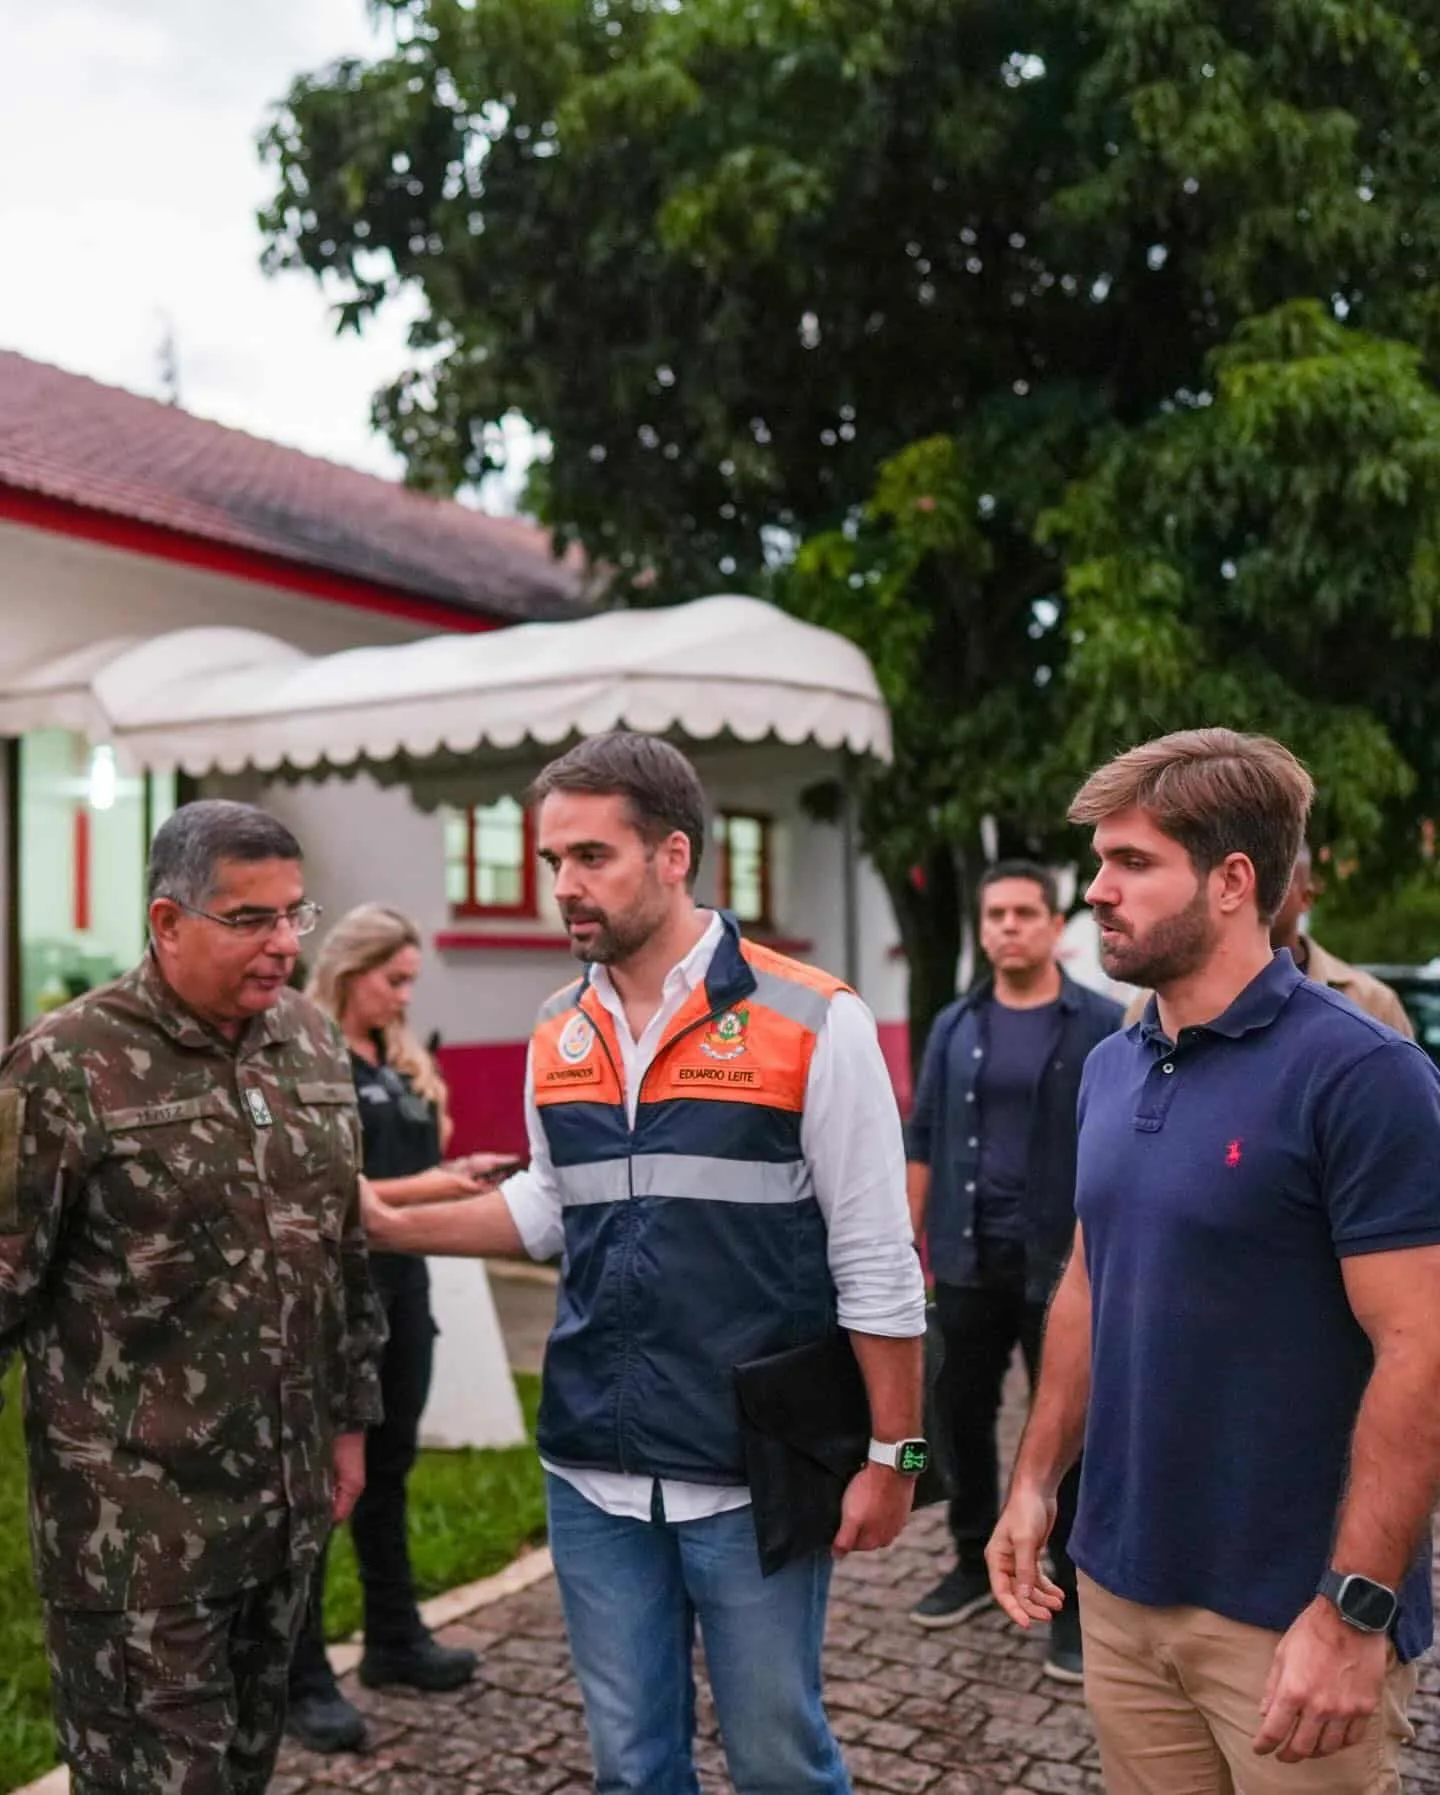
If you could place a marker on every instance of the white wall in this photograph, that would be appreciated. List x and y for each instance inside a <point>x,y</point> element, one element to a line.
<point>59,594</point>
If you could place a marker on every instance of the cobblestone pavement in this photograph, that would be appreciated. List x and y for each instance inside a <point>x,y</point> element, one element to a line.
<point>962,1712</point>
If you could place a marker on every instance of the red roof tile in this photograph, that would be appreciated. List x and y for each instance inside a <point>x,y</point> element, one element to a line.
<point>68,438</point>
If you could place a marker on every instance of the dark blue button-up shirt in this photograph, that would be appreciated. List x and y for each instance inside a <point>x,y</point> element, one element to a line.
<point>1222,1181</point>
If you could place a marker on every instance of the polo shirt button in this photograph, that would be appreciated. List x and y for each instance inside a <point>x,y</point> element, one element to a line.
<point>1169,1066</point>
<point>974,1140</point>
<point>969,1188</point>
<point>969,1233</point>
<point>969,1096</point>
<point>977,1053</point>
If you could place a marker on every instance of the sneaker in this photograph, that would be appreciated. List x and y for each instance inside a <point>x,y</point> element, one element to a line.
<point>326,1723</point>
<point>958,1595</point>
<point>1065,1661</point>
<point>419,1664</point>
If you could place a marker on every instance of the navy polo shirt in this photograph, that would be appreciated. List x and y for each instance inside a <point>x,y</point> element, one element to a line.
<point>1221,1182</point>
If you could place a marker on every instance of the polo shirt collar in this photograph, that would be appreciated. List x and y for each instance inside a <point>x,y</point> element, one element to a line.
<point>1256,1007</point>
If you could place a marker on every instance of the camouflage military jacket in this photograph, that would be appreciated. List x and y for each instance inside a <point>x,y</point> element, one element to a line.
<point>182,1265</point>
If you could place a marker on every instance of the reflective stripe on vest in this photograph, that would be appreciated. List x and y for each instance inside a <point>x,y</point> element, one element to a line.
<point>683,1175</point>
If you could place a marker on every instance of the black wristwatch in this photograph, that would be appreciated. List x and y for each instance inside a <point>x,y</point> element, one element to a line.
<point>1359,1601</point>
<point>908,1457</point>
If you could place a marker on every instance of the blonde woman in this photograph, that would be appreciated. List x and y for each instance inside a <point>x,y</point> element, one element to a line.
<point>364,976</point>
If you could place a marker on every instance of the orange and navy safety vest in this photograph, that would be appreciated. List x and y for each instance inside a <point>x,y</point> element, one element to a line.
<point>693,1241</point>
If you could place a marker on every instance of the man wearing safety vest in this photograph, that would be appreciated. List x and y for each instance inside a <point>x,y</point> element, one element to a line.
<point>716,1150</point>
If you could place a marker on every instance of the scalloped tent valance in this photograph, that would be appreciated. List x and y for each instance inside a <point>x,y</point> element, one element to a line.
<point>723,671</point>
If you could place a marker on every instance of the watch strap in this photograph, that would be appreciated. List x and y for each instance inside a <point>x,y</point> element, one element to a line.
<point>885,1453</point>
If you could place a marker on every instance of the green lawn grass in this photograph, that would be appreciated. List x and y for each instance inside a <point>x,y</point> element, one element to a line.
<point>470,1512</point>
<point>27,1742</point>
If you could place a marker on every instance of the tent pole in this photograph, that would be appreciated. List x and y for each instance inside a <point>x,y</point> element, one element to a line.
<point>850,873</point>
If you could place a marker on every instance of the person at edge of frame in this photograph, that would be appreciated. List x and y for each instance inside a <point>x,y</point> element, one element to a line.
<point>183,1269</point>
<point>1244,1335</point>
<point>990,1147</point>
<point>364,977</point>
<point>716,1146</point>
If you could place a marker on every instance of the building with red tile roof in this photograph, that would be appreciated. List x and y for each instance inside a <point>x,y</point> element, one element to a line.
<point>108,466</point>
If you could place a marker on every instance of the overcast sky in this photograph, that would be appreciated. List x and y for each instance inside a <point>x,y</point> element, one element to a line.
<point>129,184</point>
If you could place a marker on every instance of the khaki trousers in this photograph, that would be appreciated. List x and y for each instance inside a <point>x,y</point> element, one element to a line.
<point>1175,1695</point>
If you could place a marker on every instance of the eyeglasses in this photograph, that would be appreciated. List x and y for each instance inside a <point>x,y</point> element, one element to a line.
<point>257,924</point>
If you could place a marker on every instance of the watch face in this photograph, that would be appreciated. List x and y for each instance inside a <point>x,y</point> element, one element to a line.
<point>913,1457</point>
<point>1367,1604</point>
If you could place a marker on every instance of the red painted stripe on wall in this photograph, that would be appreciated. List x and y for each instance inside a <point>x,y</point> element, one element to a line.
<point>895,1045</point>
<point>487,1096</point>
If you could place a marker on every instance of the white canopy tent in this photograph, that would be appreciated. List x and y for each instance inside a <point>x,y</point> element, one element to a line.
<point>220,700</point>
<point>461,718</point>
<point>60,694</point>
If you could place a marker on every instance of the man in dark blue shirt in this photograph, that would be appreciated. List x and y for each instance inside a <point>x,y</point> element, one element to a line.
<point>1247,1317</point>
<point>991,1176</point>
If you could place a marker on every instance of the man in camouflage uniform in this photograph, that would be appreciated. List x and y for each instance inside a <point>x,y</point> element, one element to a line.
<point>183,1268</point>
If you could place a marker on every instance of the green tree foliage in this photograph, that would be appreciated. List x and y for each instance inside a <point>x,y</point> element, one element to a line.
<point>1399,927</point>
<point>1270,557</point>
<point>1085,345</point>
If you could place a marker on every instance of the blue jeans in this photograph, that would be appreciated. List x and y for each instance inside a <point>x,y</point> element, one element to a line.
<point>632,1592</point>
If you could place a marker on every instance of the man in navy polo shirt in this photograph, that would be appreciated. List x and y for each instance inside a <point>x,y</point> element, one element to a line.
<point>1244,1337</point>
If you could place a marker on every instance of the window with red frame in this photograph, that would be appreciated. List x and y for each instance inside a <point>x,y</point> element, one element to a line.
<point>490,860</point>
<point>742,877</point>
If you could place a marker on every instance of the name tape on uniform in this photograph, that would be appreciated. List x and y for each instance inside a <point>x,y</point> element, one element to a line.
<point>717,1075</point>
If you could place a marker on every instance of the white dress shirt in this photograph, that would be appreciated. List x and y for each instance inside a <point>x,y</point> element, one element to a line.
<point>851,1139</point>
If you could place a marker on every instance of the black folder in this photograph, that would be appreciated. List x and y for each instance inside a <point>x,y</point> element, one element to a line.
<point>805,1424</point>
